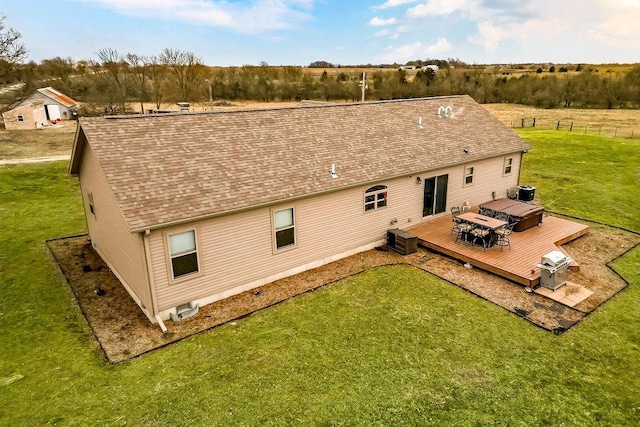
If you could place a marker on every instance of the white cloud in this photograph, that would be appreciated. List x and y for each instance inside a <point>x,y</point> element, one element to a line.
<point>247,17</point>
<point>619,27</point>
<point>383,33</point>
<point>415,50</point>
<point>393,3</point>
<point>378,22</point>
<point>488,36</point>
<point>442,7</point>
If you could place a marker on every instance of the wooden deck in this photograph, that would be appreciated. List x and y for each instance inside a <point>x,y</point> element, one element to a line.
<point>518,263</point>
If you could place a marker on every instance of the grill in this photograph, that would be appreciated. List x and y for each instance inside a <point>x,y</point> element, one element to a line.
<point>553,269</point>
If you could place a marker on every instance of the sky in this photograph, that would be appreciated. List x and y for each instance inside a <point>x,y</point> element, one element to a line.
<point>342,32</point>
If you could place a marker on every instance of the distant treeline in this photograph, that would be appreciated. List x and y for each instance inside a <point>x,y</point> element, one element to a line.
<point>117,80</point>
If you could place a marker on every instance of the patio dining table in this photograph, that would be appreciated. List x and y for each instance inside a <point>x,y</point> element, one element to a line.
<point>485,222</point>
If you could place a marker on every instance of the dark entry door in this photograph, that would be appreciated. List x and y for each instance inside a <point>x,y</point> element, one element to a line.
<point>435,195</point>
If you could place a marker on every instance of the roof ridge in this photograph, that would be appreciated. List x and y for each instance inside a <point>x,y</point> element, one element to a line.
<point>277,108</point>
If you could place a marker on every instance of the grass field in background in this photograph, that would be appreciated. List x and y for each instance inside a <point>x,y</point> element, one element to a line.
<point>391,346</point>
<point>584,175</point>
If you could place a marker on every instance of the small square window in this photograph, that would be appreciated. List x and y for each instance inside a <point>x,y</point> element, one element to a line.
<point>508,164</point>
<point>468,175</point>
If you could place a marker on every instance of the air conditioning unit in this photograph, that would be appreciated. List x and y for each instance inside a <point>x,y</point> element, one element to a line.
<point>402,241</point>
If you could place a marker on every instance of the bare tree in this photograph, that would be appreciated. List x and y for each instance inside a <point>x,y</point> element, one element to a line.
<point>187,70</point>
<point>112,70</point>
<point>157,73</point>
<point>138,73</point>
<point>12,51</point>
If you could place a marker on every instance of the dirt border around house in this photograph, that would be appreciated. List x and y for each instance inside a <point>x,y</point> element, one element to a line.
<point>124,332</point>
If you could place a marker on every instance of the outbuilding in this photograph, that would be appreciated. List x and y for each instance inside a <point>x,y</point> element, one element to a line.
<point>46,106</point>
<point>187,209</point>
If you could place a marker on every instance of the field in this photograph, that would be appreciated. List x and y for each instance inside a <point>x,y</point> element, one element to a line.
<point>391,346</point>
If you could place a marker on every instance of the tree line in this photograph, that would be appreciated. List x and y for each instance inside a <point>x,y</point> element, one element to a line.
<point>115,81</point>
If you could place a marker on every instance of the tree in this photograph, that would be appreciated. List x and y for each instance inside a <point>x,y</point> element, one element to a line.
<point>58,68</point>
<point>112,69</point>
<point>187,69</point>
<point>156,72</point>
<point>138,67</point>
<point>12,51</point>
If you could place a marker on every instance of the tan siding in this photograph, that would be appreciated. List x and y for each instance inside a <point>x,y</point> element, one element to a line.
<point>109,234</point>
<point>33,117</point>
<point>488,177</point>
<point>238,249</point>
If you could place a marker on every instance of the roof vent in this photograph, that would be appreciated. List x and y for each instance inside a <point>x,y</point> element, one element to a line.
<point>420,122</point>
<point>445,111</point>
<point>334,175</point>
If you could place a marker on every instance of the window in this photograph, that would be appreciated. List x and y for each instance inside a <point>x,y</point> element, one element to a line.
<point>20,118</point>
<point>284,228</point>
<point>92,206</point>
<point>508,163</point>
<point>184,253</point>
<point>375,197</point>
<point>468,175</point>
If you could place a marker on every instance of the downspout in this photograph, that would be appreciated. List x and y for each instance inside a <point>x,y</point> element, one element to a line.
<point>520,168</point>
<point>150,281</point>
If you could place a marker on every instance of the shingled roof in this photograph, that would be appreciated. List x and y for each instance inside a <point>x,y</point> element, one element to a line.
<point>57,96</point>
<point>168,169</point>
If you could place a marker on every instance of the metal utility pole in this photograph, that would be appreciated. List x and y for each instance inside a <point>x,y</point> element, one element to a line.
<point>363,85</point>
<point>210,93</point>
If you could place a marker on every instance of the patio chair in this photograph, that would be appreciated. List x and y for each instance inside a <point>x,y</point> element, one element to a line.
<point>455,211</point>
<point>464,229</point>
<point>480,233</point>
<point>487,212</point>
<point>503,236</point>
<point>502,216</point>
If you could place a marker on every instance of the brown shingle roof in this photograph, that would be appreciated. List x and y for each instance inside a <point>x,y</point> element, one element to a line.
<point>173,168</point>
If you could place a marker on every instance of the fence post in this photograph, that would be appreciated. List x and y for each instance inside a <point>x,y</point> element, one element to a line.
<point>522,125</point>
<point>558,125</point>
<point>534,122</point>
<point>571,127</point>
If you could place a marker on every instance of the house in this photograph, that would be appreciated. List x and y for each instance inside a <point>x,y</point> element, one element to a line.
<point>188,209</point>
<point>57,106</point>
<point>30,116</point>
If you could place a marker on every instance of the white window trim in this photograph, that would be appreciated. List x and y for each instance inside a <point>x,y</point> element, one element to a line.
<point>375,202</point>
<point>294,245</point>
<point>466,175</point>
<point>507,165</point>
<point>169,257</point>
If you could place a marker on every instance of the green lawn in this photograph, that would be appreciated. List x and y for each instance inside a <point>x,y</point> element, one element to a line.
<point>585,175</point>
<point>392,346</point>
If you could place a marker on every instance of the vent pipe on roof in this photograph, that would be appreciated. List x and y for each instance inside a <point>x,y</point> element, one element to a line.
<point>420,122</point>
<point>334,175</point>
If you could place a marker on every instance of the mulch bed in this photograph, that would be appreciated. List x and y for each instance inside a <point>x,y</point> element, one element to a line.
<point>123,331</point>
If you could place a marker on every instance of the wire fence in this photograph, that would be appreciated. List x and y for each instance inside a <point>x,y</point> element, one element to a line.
<point>569,126</point>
